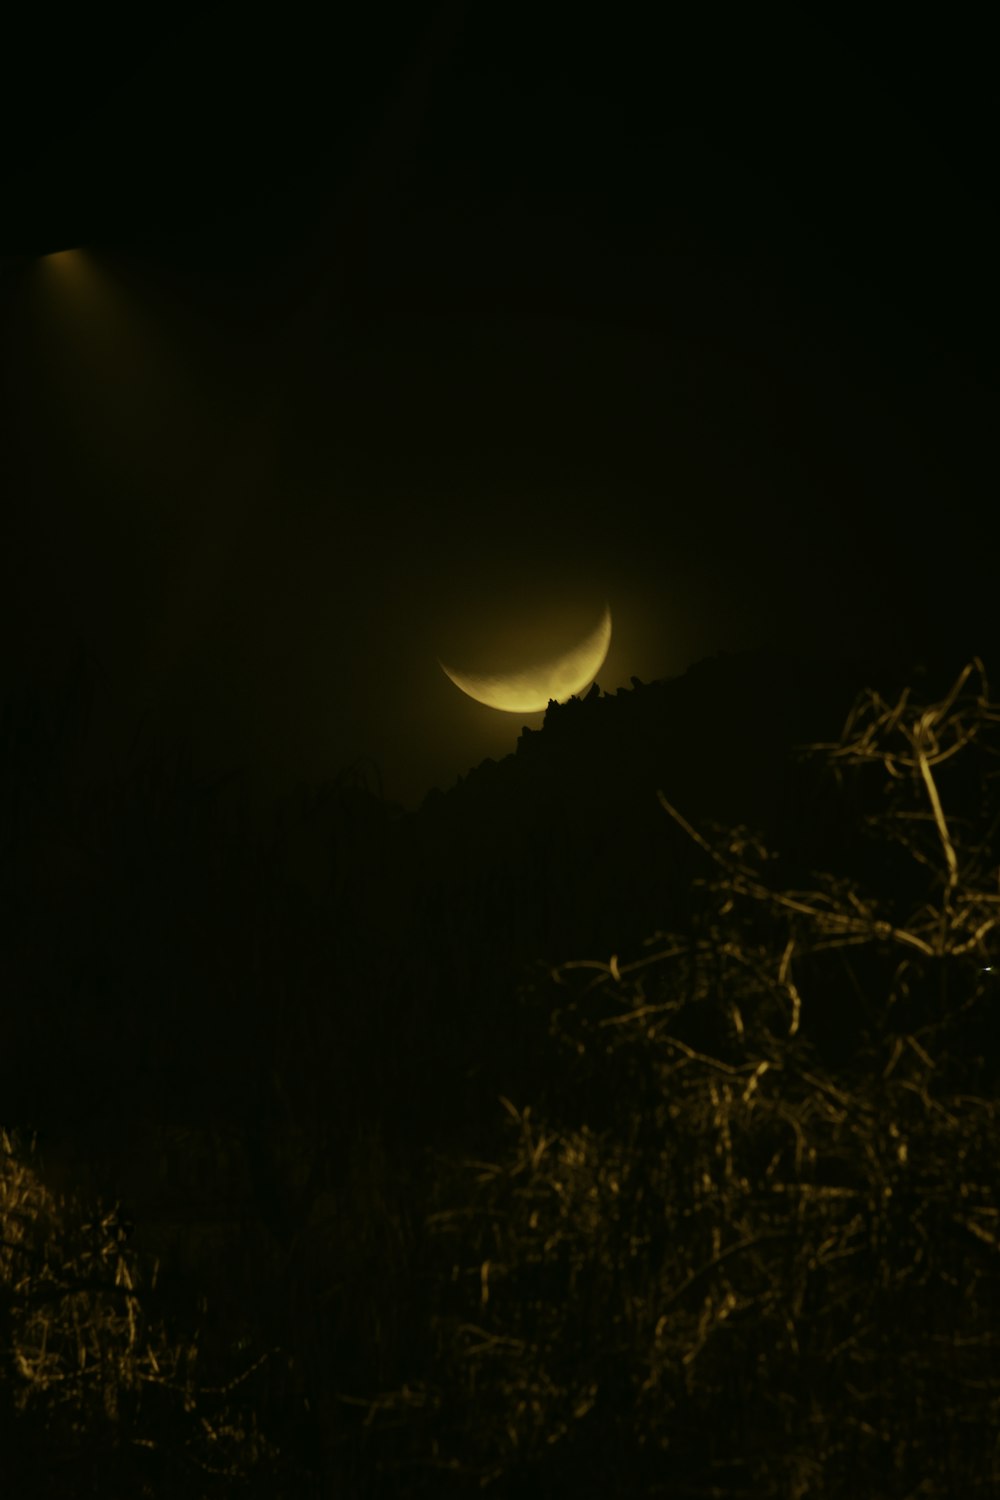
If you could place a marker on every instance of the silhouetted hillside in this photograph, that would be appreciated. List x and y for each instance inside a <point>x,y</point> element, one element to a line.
<point>142,904</point>
<point>563,847</point>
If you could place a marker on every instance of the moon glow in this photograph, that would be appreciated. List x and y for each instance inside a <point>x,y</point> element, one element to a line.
<point>529,691</point>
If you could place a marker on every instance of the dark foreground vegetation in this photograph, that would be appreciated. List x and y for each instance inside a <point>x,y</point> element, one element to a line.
<point>624,1123</point>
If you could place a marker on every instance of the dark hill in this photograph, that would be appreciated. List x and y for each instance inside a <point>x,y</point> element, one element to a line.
<point>563,850</point>
<point>160,956</point>
<point>566,840</point>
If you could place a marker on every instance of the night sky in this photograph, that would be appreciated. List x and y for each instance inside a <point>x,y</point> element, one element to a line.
<point>328,355</point>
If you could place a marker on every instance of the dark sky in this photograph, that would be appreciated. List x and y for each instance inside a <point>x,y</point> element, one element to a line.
<point>428,338</point>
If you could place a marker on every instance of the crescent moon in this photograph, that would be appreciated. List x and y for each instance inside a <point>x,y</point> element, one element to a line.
<point>529,692</point>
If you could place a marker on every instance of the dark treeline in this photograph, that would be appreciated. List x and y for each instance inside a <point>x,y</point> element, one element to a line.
<point>273,1048</point>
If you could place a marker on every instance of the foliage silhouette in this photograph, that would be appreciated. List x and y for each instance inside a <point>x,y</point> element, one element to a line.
<point>728,1257</point>
<point>282,1051</point>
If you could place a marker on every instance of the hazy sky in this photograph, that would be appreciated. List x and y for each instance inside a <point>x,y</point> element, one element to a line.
<point>431,345</point>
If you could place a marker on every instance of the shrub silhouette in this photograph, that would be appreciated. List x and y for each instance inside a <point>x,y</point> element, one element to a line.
<point>747,1243</point>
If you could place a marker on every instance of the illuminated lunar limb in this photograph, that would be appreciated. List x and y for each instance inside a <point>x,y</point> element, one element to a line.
<point>529,691</point>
